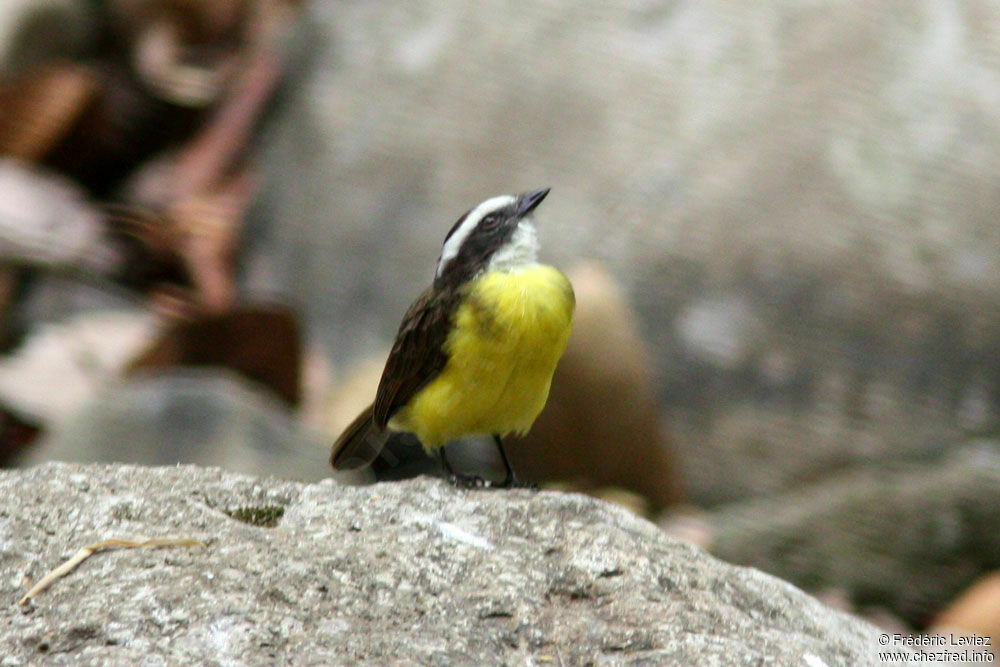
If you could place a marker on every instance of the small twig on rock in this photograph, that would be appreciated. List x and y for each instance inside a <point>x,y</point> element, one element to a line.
<point>88,551</point>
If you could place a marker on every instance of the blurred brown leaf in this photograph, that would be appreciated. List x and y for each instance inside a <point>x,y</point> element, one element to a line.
<point>261,343</point>
<point>16,434</point>
<point>39,108</point>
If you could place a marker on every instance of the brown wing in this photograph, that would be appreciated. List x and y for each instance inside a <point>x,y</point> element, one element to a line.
<point>418,354</point>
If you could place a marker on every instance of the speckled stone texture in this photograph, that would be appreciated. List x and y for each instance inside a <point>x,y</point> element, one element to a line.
<point>414,572</point>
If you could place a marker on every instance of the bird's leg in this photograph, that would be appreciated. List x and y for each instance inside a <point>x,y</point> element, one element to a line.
<point>460,479</point>
<point>510,481</point>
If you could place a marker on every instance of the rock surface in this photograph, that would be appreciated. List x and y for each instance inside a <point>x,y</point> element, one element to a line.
<point>909,540</point>
<point>413,571</point>
<point>187,416</point>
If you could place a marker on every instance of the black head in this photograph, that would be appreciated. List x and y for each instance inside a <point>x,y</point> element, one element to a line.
<point>499,233</point>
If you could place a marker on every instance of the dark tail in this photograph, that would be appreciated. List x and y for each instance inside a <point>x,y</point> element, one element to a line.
<point>359,444</point>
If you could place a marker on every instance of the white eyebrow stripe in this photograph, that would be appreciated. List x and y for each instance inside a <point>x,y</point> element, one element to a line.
<point>455,241</point>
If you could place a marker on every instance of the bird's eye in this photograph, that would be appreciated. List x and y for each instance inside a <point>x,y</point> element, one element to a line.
<point>491,221</point>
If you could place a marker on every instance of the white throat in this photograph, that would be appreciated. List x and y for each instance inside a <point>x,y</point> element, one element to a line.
<point>521,250</point>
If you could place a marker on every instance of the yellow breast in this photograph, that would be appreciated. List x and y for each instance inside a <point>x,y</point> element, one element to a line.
<point>507,336</point>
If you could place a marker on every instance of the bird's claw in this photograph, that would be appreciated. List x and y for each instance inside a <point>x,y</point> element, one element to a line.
<point>470,481</point>
<point>477,482</point>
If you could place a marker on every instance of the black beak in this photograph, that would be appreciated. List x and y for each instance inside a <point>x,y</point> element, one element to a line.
<point>527,202</point>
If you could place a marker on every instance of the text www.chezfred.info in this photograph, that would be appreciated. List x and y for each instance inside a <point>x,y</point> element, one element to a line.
<point>950,648</point>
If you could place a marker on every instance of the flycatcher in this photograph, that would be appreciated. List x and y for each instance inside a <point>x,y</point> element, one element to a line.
<point>475,353</point>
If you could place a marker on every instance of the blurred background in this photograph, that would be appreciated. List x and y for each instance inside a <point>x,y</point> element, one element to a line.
<point>781,222</point>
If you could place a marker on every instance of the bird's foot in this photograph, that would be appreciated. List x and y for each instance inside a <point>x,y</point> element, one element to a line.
<point>477,482</point>
<point>470,481</point>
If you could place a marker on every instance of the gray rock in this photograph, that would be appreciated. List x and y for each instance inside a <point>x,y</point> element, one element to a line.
<point>202,416</point>
<point>908,539</point>
<point>414,572</point>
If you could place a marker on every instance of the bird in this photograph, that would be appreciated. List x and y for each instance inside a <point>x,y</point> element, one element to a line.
<point>475,352</point>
